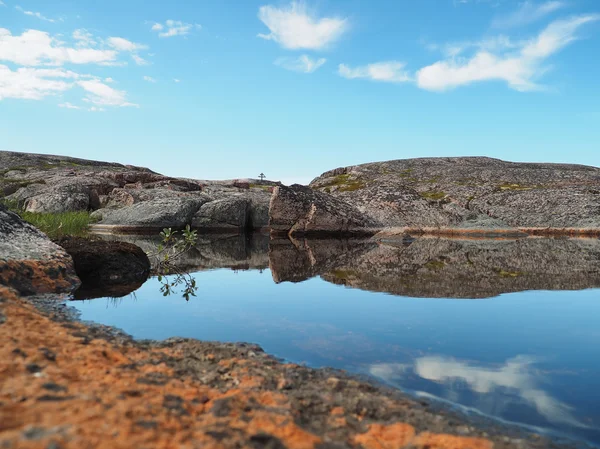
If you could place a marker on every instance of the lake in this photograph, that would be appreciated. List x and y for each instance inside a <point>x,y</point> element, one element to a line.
<point>506,328</point>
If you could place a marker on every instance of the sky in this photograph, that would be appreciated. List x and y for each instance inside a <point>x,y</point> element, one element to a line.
<point>221,89</point>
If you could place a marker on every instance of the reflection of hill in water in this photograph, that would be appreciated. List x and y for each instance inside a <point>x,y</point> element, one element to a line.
<point>427,267</point>
<point>442,268</point>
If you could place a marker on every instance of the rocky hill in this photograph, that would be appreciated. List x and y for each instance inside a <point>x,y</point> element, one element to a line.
<point>125,197</point>
<point>468,193</point>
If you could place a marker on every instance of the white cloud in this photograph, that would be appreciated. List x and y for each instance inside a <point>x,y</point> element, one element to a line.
<point>139,60</point>
<point>84,38</point>
<point>101,94</point>
<point>149,79</point>
<point>35,47</point>
<point>519,68</point>
<point>34,14</point>
<point>172,28</point>
<point>295,27</point>
<point>388,71</point>
<point>96,109</point>
<point>34,84</point>
<point>303,64</point>
<point>121,44</point>
<point>68,105</point>
<point>176,80</point>
<point>528,12</point>
<point>109,80</point>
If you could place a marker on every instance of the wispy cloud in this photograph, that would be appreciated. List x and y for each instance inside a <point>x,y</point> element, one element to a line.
<point>176,80</point>
<point>387,71</point>
<point>84,38</point>
<point>121,44</point>
<point>34,14</point>
<point>101,94</point>
<point>139,60</point>
<point>302,64</point>
<point>173,28</point>
<point>519,68</point>
<point>294,27</point>
<point>68,105</point>
<point>149,79</point>
<point>528,12</point>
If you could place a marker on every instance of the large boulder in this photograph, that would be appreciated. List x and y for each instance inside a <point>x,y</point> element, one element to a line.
<point>29,262</point>
<point>222,214</point>
<point>299,210</point>
<point>169,211</point>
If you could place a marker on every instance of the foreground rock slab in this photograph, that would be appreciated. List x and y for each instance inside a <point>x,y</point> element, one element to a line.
<point>67,385</point>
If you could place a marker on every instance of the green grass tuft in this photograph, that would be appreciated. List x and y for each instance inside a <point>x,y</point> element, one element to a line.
<point>74,224</point>
<point>63,224</point>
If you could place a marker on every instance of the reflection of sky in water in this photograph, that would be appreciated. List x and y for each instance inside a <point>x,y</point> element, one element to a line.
<point>530,357</point>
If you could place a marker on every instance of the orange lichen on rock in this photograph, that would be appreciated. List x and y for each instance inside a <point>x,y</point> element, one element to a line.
<point>381,436</point>
<point>67,385</point>
<point>428,440</point>
<point>37,276</point>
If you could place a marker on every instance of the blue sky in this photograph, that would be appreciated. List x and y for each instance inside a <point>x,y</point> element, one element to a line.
<point>219,89</point>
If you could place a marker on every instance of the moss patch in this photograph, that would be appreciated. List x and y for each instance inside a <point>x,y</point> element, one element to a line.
<point>434,195</point>
<point>344,274</point>
<point>343,183</point>
<point>514,186</point>
<point>435,265</point>
<point>509,274</point>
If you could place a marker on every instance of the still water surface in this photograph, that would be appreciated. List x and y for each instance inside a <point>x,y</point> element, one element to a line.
<point>524,347</point>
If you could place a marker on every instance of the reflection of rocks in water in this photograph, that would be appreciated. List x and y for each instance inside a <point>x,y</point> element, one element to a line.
<point>93,291</point>
<point>235,251</point>
<point>299,260</point>
<point>442,268</point>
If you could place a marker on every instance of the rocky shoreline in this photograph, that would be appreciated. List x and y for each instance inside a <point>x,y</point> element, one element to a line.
<point>67,384</point>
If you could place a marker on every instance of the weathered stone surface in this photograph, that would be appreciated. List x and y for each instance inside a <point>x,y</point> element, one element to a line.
<point>450,192</point>
<point>172,211</point>
<point>299,210</point>
<point>226,213</point>
<point>64,384</point>
<point>29,262</point>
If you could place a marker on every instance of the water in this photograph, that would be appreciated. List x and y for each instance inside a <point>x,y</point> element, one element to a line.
<point>509,329</point>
